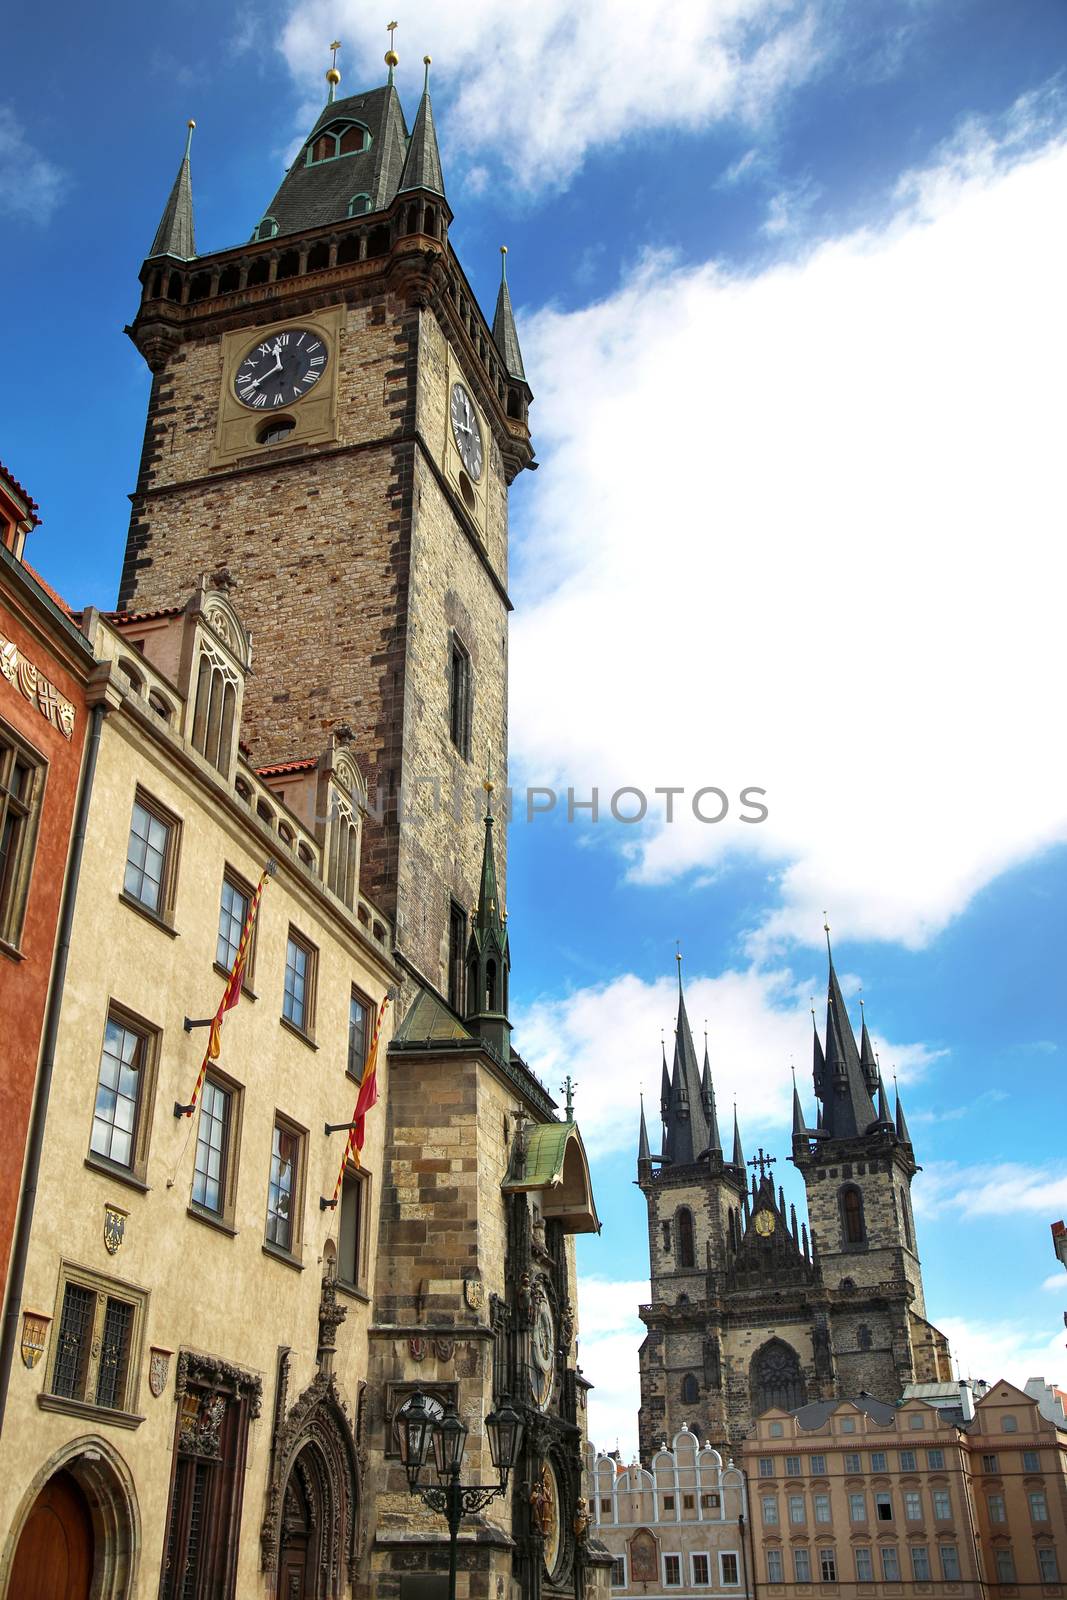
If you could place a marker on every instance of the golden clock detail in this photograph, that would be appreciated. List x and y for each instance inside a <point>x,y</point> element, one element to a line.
<point>764,1222</point>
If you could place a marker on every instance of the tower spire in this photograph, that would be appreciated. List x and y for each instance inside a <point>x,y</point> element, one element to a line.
<point>488,954</point>
<point>868,1059</point>
<point>901,1125</point>
<point>846,1098</point>
<point>505,337</point>
<point>392,60</point>
<point>643,1151</point>
<point>707,1097</point>
<point>422,164</point>
<point>333,77</point>
<point>686,1122</point>
<point>174,236</point>
<point>738,1159</point>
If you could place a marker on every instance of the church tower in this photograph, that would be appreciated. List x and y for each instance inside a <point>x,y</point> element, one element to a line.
<point>747,1310</point>
<point>332,431</point>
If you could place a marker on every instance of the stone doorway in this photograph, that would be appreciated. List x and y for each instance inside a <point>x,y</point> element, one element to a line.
<point>54,1558</point>
<point>77,1534</point>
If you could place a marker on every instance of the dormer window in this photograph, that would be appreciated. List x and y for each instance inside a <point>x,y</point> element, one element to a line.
<point>359,205</point>
<point>339,139</point>
<point>265,230</point>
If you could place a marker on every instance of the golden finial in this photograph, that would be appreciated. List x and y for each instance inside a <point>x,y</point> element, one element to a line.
<point>391,58</point>
<point>487,781</point>
<point>333,77</point>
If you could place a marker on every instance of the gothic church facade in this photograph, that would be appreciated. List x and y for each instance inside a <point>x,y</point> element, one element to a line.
<point>751,1309</point>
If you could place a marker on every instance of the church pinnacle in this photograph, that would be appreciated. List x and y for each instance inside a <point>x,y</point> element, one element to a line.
<point>685,1130</point>
<point>505,337</point>
<point>174,236</point>
<point>488,955</point>
<point>422,165</point>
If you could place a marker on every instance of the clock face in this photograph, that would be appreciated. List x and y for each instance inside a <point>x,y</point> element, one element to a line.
<point>764,1223</point>
<point>465,430</point>
<point>281,369</point>
<point>544,1354</point>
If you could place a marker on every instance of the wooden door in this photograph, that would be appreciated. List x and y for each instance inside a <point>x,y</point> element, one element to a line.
<point>54,1559</point>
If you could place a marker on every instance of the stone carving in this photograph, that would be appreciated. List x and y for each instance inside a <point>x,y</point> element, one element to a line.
<point>317,1434</point>
<point>417,1347</point>
<point>444,1349</point>
<point>34,1334</point>
<point>220,624</point>
<point>331,1315</point>
<point>158,1370</point>
<point>566,1326</point>
<point>200,1425</point>
<point>114,1229</point>
<point>473,1292</point>
<point>542,1507</point>
<point>36,688</point>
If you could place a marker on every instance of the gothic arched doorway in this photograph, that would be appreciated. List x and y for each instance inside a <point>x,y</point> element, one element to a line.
<point>309,1536</point>
<point>77,1533</point>
<point>54,1558</point>
<point>775,1378</point>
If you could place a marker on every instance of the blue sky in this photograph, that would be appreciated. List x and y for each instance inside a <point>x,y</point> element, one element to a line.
<point>789,279</point>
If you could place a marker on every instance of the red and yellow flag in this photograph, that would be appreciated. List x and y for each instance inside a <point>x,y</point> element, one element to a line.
<point>232,992</point>
<point>367,1097</point>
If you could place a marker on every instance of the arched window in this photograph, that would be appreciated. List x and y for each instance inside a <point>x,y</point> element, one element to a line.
<point>213,712</point>
<point>339,139</point>
<point>343,873</point>
<point>686,1247</point>
<point>904,1218</point>
<point>852,1227</point>
<point>775,1378</point>
<point>359,205</point>
<point>690,1390</point>
<point>265,229</point>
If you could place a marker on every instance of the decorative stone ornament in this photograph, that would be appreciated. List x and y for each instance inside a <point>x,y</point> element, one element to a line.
<point>114,1228</point>
<point>158,1370</point>
<point>416,1347</point>
<point>473,1293</point>
<point>444,1349</point>
<point>34,1335</point>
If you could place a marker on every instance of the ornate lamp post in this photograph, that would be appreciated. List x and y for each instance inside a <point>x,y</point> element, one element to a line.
<point>448,1435</point>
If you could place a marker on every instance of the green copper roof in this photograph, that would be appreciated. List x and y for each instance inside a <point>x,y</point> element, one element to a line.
<point>552,1159</point>
<point>422,168</point>
<point>428,1019</point>
<point>546,1148</point>
<point>174,236</point>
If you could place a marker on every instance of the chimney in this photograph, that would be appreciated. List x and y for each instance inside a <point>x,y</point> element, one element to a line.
<point>966,1400</point>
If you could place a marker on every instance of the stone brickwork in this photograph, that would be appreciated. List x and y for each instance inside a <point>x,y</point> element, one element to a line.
<point>884,1181</point>
<point>353,563</point>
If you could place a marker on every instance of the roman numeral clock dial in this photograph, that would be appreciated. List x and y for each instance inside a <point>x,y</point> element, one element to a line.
<point>281,369</point>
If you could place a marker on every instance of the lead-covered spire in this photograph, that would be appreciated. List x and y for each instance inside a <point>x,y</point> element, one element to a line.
<point>707,1097</point>
<point>643,1151</point>
<point>848,1108</point>
<point>174,236</point>
<point>738,1158</point>
<point>505,337</point>
<point>422,165</point>
<point>686,1125</point>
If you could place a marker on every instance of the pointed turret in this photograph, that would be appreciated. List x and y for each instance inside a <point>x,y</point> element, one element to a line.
<point>884,1119</point>
<point>664,1086</point>
<point>800,1132</point>
<point>849,1109</point>
<point>644,1154</point>
<point>504,335</point>
<point>686,1124</point>
<point>422,165</point>
<point>901,1125</point>
<point>738,1158</point>
<point>868,1059</point>
<point>174,236</point>
<point>488,955</point>
<point>707,1098</point>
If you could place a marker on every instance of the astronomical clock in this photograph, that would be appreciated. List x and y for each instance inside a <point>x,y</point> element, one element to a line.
<point>548,1197</point>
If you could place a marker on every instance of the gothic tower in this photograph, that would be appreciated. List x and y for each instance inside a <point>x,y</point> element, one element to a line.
<point>747,1311</point>
<point>332,430</point>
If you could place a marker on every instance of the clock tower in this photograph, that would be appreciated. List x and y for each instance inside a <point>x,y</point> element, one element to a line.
<point>332,431</point>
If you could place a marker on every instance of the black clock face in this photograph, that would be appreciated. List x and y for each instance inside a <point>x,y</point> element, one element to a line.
<point>465,430</point>
<point>283,368</point>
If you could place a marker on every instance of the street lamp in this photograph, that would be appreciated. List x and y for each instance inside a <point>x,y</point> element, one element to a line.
<point>448,1435</point>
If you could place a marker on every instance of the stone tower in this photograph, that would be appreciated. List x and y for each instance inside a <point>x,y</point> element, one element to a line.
<point>747,1311</point>
<point>332,429</point>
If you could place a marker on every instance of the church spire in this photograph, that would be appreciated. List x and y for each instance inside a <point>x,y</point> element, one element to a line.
<point>738,1159</point>
<point>174,236</point>
<point>422,165</point>
<point>488,955</point>
<point>644,1154</point>
<point>707,1098</point>
<point>901,1125</point>
<point>504,335</point>
<point>800,1132</point>
<point>847,1103</point>
<point>664,1086</point>
<point>686,1123</point>
<point>868,1059</point>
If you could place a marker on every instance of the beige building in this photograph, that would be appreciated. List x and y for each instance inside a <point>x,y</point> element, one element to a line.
<point>861,1498</point>
<point>183,1285</point>
<point>1018,1473</point>
<point>676,1528</point>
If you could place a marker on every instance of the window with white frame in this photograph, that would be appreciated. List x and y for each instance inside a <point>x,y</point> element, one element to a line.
<point>1031,1461</point>
<point>883,1506</point>
<point>701,1571</point>
<point>766,1466</point>
<point>997,1509</point>
<point>890,1563</point>
<point>857,1507</point>
<point>913,1506</point>
<point>775,1573</point>
<point>817,1466</point>
<point>907,1461</point>
<point>827,1563</point>
<point>618,1572</point>
<point>949,1557</point>
<point>1038,1505</point>
<point>852,1461</point>
<point>942,1505</point>
<point>920,1563</point>
<point>1047,1563</point>
<point>796,1509</point>
<point>728,1569</point>
<point>672,1571</point>
<point>878,1461</point>
<point>1005,1563</point>
<point>935,1460</point>
<point>822,1507</point>
<point>801,1564</point>
<point>864,1564</point>
<point>769,1503</point>
<point>792,1466</point>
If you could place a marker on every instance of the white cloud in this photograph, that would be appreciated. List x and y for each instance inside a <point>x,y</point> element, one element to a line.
<point>990,1191</point>
<point>1008,1349</point>
<point>609,1336</point>
<point>535,88</point>
<point>31,186</point>
<point>607,1037</point>
<point>802,529</point>
<point>1056,1283</point>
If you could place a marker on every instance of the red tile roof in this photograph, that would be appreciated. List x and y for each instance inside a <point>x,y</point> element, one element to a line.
<point>16,487</point>
<point>56,599</point>
<point>119,617</point>
<point>303,764</point>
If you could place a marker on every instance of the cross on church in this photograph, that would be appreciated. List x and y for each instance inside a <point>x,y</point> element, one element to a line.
<point>764,1163</point>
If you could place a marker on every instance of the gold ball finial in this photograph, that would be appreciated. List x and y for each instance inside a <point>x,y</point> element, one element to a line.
<point>392,59</point>
<point>427,61</point>
<point>503,249</point>
<point>333,76</point>
<point>190,123</point>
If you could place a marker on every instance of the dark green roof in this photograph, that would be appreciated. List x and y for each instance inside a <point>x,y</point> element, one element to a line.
<point>422,168</point>
<point>504,335</point>
<point>312,196</point>
<point>174,236</point>
<point>428,1021</point>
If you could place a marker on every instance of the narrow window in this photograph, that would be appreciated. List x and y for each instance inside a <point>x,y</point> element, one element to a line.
<point>822,1507</point>
<point>21,789</point>
<point>1046,1559</point>
<point>920,1563</point>
<point>343,875</point>
<point>935,1460</point>
<point>690,1390</point>
<point>1005,1560</point>
<point>672,1570</point>
<point>457,950</point>
<point>618,1572</point>
<point>792,1466</point>
<point>907,1461</point>
<point>701,1572</point>
<point>283,1188</point>
<point>459,698</point>
<point>1031,1461</point>
<point>233,914</point>
<point>864,1564</point>
<point>1038,1506</point>
<point>351,1233</point>
<point>666,1238</point>
<point>857,1508</point>
<point>119,1092</point>
<point>359,205</point>
<point>796,1509</point>
<point>904,1217</point>
<point>774,1567</point>
<point>299,987</point>
<point>728,1568</point>
<point>766,1466</point>
<point>770,1510</point>
<point>913,1506</point>
<point>878,1461</point>
<point>358,1034</point>
<point>686,1248</point>
<point>827,1564</point>
<point>213,711</point>
<point>817,1466</point>
<point>74,1338</point>
<point>852,1216</point>
<point>890,1564</point>
<point>852,1461</point>
<point>150,856</point>
<point>212,1148</point>
<point>942,1505</point>
<point>950,1562</point>
<point>883,1507</point>
<point>801,1565</point>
